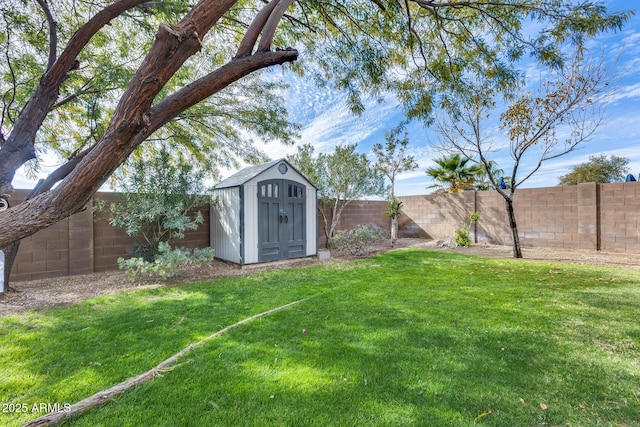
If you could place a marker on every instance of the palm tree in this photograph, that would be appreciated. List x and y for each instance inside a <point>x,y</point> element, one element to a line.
<point>453,175</point>
<point>483,182</point>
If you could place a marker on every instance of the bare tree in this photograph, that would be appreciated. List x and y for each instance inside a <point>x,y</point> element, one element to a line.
<point>393,160</point>
<point>565,113</point>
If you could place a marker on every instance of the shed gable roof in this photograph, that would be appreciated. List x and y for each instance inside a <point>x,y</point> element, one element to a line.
<point>242,176</point>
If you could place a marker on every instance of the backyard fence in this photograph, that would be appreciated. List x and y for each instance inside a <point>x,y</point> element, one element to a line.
<point>597,217</point>
<point>84,243</point>
<point>585,216</point>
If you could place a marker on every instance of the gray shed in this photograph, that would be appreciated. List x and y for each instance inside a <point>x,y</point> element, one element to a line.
<point>264,213</point>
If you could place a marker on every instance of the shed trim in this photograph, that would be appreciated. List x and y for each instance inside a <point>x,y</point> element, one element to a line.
<point>247,174</point>
<point>242,232</point>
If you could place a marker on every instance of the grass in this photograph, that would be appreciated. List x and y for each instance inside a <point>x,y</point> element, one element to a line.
<point>410,337</point>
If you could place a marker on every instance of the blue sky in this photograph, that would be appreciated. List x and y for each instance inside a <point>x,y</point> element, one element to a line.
<point>327,122</point>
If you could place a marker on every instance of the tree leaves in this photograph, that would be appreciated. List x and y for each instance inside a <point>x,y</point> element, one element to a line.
<point>392,159</point>
<point>599,168</point>
<point>220,130</point>
<point>452,173</point>
<point>158,199</point>
<point>341,177</point>
<point>417,49</point>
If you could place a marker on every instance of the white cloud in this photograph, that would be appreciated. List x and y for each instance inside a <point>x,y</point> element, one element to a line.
<point>337,125</point>
<point>624,92</point>
<point>406,176</point>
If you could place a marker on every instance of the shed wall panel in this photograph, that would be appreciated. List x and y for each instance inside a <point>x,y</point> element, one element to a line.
<point>225,225</point>
<point>312,222</point>
<point>251,222</point>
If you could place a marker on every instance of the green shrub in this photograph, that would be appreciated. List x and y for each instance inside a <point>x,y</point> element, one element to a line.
<point>358,241</point>
<point>462,238</point>
<point>159,202</point>
<point>168,262</point>
<point>394,209</point>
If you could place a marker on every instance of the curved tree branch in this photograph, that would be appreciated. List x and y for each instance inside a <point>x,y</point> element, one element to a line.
<point>271,25</point>
<point>251,36</point>
<point>19,146</point>
<point>203,88</point>
<point>98,163</point>
<point>53,34</point>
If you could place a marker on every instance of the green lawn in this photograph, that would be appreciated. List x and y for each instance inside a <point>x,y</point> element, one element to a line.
<point>410,337</point>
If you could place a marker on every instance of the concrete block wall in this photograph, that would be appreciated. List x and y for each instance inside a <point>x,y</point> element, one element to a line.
<point>545,217</point>
<point>434,216</point>
<point>110,243</point>
<point>372,212</point>
<point>81,242</point>
<point>44,254</point>
<point>585,216</point>
<point>619,226</point>
<point>84,243</point>
<point>493,223</point>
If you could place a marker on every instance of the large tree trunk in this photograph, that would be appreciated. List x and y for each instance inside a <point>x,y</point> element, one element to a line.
<point>517,251</point>
<point>122,137</point>
<point>134,119</point>
<point>10,253</point>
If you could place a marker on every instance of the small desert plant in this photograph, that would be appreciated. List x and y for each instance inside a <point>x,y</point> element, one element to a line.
<point>394,209</point>
<point>358,241</point>
<point>167,263</point>
<point>462,236</point>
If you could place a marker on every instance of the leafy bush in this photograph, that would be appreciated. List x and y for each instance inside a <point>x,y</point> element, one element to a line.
<point>462,238</point>
<point>159,202</point>
<point>168,262</point>
<point>358,241</point>
<point>394,208</point>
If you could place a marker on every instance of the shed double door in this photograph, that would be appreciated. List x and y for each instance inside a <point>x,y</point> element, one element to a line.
<point>281,220</point>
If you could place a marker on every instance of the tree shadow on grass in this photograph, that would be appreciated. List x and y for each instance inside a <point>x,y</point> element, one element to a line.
<point>64,355</point>
<point>379,348</point>
<point>384,361</point>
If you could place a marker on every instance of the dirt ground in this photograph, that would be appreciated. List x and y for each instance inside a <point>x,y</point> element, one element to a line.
<point>39,294</point>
